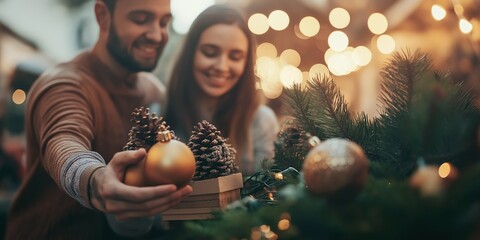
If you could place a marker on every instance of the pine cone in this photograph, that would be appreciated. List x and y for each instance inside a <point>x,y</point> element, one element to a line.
<point>144,132</point>
<point>214,156</point>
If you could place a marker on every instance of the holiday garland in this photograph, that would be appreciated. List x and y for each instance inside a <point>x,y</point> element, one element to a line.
<point>425,118</point>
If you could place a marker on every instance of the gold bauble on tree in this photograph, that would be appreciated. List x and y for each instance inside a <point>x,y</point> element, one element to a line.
<point>336,169</point>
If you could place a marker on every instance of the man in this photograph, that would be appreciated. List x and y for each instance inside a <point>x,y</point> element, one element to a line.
<point>77,122</point>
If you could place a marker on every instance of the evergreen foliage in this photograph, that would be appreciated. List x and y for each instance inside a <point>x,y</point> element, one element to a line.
<point>384,210</point>
<point>424,116</point>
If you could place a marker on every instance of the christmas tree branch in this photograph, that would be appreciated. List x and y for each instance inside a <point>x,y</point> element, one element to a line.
<point>299,102</point>
<point>333,115</point>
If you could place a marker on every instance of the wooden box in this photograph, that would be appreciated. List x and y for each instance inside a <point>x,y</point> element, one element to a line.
<point>207,196</point>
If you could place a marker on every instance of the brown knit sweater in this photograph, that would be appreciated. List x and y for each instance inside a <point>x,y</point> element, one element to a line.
<point>76,107</point>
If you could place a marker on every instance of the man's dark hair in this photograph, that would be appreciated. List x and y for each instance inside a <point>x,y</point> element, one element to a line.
<point>110,4</point>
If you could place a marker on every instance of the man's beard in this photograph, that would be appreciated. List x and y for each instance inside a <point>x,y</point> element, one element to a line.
<point>123,57</point>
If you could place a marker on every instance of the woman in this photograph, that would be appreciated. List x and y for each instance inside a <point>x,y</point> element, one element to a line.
<point>214,80</point>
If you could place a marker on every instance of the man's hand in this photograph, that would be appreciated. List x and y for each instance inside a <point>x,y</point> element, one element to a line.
<point>110,195</point>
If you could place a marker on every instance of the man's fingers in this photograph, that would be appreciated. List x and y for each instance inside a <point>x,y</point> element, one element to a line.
<point>122,159</point>
<point>116,206</point>
<point>134,194</point>
<point>157,208</point>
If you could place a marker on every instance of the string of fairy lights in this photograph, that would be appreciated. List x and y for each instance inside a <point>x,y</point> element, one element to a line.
<point>264,231</point>
<point>277,71</point>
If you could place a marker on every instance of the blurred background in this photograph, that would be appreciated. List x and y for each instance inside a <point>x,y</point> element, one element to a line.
<point>297,39</point>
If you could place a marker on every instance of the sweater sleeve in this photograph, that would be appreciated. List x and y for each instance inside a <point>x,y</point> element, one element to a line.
<point>265,130</point>
<point>63,121</point>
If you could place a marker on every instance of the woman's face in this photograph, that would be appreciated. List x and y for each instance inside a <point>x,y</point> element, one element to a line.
<point>220,59</point>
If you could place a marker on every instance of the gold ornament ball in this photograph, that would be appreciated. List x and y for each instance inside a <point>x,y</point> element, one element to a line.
<point>168,162</point>
<point>171,162</point>
<point>134,175</point>
<point>336,169</point>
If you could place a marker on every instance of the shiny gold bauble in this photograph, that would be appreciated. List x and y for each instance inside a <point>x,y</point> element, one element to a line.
<point>168,162</point>
<point>171,162</point>
<point>336,169</point>
<point>135,175</point>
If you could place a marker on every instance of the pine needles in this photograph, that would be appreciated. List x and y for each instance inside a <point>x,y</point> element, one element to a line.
<point>424,115</point>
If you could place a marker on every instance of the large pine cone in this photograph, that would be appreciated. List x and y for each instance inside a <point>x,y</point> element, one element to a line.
<point>144,132</point>
<point>214,156</point>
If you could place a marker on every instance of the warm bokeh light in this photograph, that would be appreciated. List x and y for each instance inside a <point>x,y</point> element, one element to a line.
<point>318,70</point>
<point>271,236</point>
<point>465,26</point>
<point>305,77</point>
<point>341,64</point>
<point>258,85</point>
<point>267,49</point>
<point>286,215</point>
<point>339,18</point>
<point>278,176</point>
<point>272,89</point>
<point>351,64</point>
<point>362,55</point>
<point>386,44</point>
<point>265,228</point>
<point>185,11</point>
<point>267,69</point>
<point>278,20</point>
<point>290,75</point>
<point>298,33</point>
<point>438,12</point>
<point>335,65</point>
<point>270,196</point>
<point>309,26</point>
<point>377,23</point>
<point>338,41</point>
<point>328,54</point>
<point>19,96</point>
<point>444,170</point>
<point>283,224</point>
<point>256,234</point>
<point>258,23</point>
<point>291,57</point>
<point>458,8</point>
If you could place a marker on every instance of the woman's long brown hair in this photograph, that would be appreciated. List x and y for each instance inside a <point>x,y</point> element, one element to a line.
<point>237,107</point>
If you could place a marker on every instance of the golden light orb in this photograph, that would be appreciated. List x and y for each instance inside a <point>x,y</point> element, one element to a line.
<point>19,96</point>
<point>258,24</point>
<point>438,12</point>
<point>309,26</point>
<point>377,23</point>
<point>339,18</point>
<point>278,20</point>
